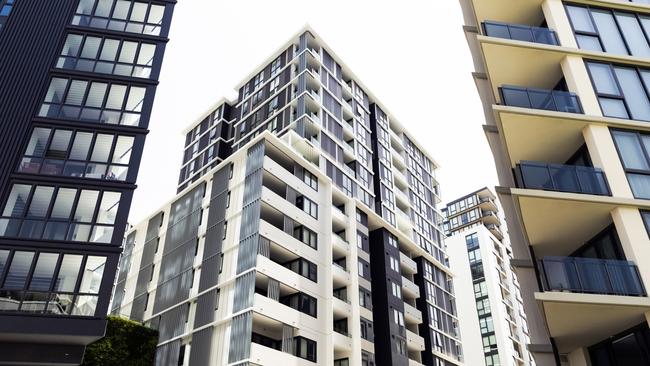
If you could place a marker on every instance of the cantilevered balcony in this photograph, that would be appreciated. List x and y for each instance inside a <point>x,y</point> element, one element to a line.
<point>520,33</point>
<point>592,276</point>
<point>550,100</point>
<point>561,178</point>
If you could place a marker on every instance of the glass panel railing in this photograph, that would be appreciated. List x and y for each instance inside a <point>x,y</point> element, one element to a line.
<point>550,100</point>
<point>561,178</point>
<point>590,275</point>
<point>520,33</point>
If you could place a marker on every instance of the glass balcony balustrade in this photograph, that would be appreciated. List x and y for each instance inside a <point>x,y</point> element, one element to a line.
<point>592,276</point>
<point>561,178</point>
<point>550,100</point>
<point>519,32</point>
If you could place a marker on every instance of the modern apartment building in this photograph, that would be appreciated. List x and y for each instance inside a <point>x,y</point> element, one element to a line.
<point>305,231</point>
<point>565,89</point>
<point>77,83</point>
<point>493,327</point>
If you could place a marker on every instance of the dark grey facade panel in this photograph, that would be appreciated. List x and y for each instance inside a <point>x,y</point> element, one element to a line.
<point>210,272</point>
<point>386,331</point>
<point>201,347</point>
<point>173,291</point>
<point>138,307</point>
<point>172,322</point>
<point>205,308</point>
<point>176,273</point>
<point>167,354</point>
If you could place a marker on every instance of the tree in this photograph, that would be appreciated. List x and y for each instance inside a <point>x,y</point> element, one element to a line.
<point>126,343</point>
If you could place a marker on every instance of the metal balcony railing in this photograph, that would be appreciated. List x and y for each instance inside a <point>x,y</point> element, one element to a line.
<point>519,32</point>
<point>561,178</point>
<point>550,100</point>
<point>593,276</point>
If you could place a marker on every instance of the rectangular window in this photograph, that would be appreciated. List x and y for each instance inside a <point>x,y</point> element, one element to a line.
<point>307,205</point>
<point>76,153</point>
<point>107,56</point>
<point>621,91</point>
<point>633,148</point>
<point>310,179</point>
<point>610,31</point>
<point>52,283</point>
<point>42,212</point>
<point>93,101</point>
<point>306,236</point>
<point>120,15</point>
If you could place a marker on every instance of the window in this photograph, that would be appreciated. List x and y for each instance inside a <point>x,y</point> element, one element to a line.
<point>301,302</point>
<point>303,267</point>
<point>43,212</point>
<point>310,179</point>
<point>273,86</point>
<point>308,206</point>
<point>5,9</point>
<point>77,154</point>
<point>486,324</point>
<point>306,236</point>
<point>489,343</point>
<point>394,264</point>
<point>610,31</point>
<point>120,15</point>
<point>258,81</point>
<point>365,298</point>
<point>621,90</point>
<point>93,101</point>
<point>107,56</point>
<point>366,330</point>
<point>400,346</point>
<point>397,291</point>
<point>398,317</point>
<point>633,151</point>
<point>276,65</point>
<point>483,306</point>
<point>305,348</point>
<point>60,284</point>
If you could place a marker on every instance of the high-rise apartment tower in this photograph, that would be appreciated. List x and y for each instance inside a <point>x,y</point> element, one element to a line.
<point>493,327</point>
<point>77,82</point>
<point>566,93</point>
<point>305,231</point>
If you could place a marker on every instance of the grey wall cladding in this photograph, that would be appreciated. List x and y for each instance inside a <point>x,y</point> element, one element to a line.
<point>140,297</point>
<point>175,278</point>
<point>125,264</point>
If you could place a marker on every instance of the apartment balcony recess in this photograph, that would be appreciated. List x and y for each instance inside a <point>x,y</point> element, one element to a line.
<point>404,221</point>
<point>407,264</point>
<point>340,247</point>
<point>494,229</point>
<point>411,314</point>
<point>487,203</point>
<point>339,215</point>
<point>414,342</point>
<point>580,320</point>
<point>561,178</point>
<point>400,179</point>
<point>341,308</point>
<point>550,100</point>
<point>592,276</point>
<point>341,342</point>
<point>409,288</point>
<point>519,32</point>
<point>508,11</point>
<point>490,217</point>
<point>340,276</point>
<point>274,340</point>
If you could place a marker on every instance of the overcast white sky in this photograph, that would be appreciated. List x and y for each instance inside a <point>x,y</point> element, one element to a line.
<point>412,54</point>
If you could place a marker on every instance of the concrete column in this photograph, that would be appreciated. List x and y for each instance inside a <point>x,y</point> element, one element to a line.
<point>578,81</point>
<point>557,20</point>
<point>634,239</point>
<point>604,155</point>
<point>578,357</point>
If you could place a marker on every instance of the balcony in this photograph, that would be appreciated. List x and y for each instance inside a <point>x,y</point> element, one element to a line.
<point>592,276</point>
<point>410,289</point>
<point>550,100</point>
<point>518,32</point>
<point>561,178</point>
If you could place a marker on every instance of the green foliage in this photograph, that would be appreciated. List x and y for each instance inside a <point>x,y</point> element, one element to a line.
<point>127,343</point>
